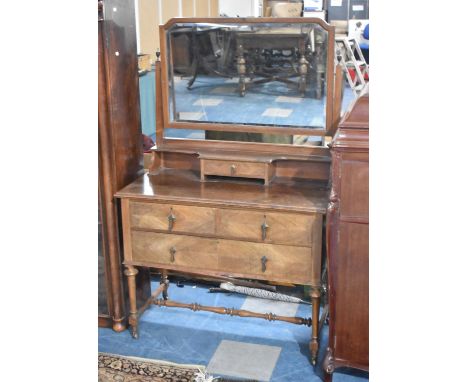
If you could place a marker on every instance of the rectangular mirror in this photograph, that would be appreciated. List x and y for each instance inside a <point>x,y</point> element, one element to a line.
<point>261,77</point>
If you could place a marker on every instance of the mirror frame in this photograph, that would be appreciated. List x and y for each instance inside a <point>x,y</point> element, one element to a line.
<point>164,29</point>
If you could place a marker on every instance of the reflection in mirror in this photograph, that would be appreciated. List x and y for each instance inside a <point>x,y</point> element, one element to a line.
<point>302,140</point>
<point>271,74</point>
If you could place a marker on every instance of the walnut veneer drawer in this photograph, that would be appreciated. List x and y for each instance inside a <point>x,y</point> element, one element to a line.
<point>172,218</point>
<point>234,168</point>
<point>266,261</point>
<point>269,227</point>
<point>257,260</point>
<point>161,248</point>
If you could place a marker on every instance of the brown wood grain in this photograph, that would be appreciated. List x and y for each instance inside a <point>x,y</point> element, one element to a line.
<point>348,242</point>
<point>234,312</point>
<point>234,168</point>
<point>351,321</point>
<point>199,253</point>
<point>185,188</point>
<point>284,228</point>
<point>187,218</point>
<point>119,133</point>
<point>285,263</point>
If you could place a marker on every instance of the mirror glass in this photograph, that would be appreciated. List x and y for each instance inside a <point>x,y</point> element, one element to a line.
<point>287,139</point>
<point>266,74</point>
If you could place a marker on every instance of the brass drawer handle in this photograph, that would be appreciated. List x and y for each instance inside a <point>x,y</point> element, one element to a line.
<point>233,169</point>
<point>171,219</point>
<point>172,251</point>
<point>264,260</point>
<point>264,226</point>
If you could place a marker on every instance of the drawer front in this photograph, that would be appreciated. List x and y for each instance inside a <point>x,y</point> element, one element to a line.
<point>256,260</point>
<point>161,248</point>
<point>268,227</point>
<point>188,219</point>
<point>267,261</point>
<point>234,168</point>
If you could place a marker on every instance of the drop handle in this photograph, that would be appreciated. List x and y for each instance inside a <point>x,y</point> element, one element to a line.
<point>171,219</point>
<point>172,251</point>
<point>264,260</point>
<point>264,227</point>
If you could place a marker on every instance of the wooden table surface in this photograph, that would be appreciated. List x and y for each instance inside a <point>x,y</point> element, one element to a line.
<point>185,187</point>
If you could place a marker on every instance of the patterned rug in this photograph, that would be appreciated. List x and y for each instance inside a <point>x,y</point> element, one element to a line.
<point>116,368</point>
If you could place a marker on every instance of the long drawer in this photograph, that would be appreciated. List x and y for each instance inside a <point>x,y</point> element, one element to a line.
<point>238,224</point>
<point>269,261</point>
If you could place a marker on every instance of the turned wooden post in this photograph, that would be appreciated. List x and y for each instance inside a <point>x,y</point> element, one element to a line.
<point>314,345</point>
<point>131,272</point>
<point>241,70</point>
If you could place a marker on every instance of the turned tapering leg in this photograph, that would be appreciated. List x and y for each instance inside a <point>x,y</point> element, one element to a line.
<point>131,273</point>
<point>165,281</point>
<point>303,75</point>
<point>314,345</point>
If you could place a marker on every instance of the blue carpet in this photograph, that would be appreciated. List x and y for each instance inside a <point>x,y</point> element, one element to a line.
<point>182,336</point>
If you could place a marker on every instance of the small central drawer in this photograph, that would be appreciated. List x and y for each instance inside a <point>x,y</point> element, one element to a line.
<point>172,217</point>
<point>241,169</point>
<point>268,227</point>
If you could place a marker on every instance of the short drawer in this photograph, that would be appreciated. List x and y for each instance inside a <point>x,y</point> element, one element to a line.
<point>268,227</point>
<point>169,249</point>
<point>234,168</point>
<point>266,261</point>
<point>172,218</point>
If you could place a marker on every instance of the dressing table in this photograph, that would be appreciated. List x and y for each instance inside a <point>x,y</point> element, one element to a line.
<point>230,206</point>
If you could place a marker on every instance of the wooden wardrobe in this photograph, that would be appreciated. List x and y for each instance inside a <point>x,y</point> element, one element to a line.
<point>120,152</point>
<point>348,242</point>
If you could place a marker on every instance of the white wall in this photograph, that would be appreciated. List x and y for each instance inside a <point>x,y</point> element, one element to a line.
<point>242,8</point>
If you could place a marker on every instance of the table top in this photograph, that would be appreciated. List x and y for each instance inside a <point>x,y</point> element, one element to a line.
<point>185,187</point>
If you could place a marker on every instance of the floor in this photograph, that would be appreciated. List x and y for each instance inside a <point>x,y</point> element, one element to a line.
<point>244,348</point>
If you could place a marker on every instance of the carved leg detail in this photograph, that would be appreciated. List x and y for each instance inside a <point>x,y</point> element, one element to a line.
<point>131,272</point>
<point>165,281</point>
<point>328,366</point>
<point>314,345</point>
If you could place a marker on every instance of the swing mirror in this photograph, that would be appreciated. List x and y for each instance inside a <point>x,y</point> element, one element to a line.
<point>255,80</point>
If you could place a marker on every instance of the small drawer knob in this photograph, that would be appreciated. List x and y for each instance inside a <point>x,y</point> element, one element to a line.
<point>233,169</point>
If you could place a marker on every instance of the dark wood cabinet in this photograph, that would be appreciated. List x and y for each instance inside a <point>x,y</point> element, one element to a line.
<point>120,152</point>
<point>348,242</point>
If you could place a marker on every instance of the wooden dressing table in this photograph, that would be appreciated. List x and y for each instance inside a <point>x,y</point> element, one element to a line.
<point>226,208</point>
